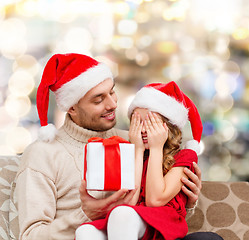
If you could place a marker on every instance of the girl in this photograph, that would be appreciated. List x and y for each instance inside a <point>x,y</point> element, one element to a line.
<point>158,113</point>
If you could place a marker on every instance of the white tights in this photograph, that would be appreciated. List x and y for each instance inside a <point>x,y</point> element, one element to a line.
<point>123,224</point>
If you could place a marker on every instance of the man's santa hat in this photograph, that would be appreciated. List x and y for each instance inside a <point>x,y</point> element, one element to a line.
<point>172,103</point>
<point>70,77</point>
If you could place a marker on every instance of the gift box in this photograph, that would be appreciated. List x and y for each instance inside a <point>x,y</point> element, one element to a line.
<point>109,164</point>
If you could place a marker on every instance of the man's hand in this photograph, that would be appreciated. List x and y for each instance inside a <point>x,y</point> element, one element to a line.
<point>192,186</point>
<point>98,208</point>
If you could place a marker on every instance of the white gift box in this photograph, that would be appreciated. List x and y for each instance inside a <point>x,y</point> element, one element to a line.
<point>109,165</point>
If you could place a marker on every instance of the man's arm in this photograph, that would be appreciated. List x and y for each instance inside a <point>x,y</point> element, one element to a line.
<point>37,198</point>
<point>192,187</point>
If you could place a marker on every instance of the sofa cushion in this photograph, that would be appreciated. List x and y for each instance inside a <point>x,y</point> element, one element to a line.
<point>13,213</point>
<point>223,207</point>
<point>8,169</point>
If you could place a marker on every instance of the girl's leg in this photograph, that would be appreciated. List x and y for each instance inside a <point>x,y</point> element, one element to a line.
<point>124,223</point>
<point>89,232</point>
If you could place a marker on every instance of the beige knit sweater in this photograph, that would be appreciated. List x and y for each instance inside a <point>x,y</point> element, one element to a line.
<point>48,184</point>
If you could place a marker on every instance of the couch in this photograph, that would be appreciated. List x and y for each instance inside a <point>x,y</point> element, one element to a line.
<point>223,207</point>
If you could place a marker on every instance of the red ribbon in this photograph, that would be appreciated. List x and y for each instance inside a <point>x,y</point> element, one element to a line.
<point>112,161</point>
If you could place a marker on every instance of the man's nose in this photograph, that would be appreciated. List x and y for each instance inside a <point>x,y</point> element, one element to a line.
<point>111,103</point>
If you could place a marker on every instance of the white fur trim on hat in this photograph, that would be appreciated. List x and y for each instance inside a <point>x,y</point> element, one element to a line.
<point>47,133</point>
<point>157,101</point>
<point>71,92</point>
<point>193,145</point>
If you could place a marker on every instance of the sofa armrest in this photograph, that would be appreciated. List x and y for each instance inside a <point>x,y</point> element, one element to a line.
<point>8,212</point>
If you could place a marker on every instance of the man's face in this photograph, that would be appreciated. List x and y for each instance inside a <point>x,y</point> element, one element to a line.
<point>96,110</point>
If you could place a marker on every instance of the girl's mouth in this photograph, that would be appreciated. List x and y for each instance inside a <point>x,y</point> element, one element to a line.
<point>145,139</point>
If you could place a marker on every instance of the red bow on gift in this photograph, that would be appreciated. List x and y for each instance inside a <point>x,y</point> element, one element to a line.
<point>114,140</point>
<point>112,161</point>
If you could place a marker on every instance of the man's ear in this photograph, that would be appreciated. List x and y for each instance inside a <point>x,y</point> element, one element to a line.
<point>72,111</point>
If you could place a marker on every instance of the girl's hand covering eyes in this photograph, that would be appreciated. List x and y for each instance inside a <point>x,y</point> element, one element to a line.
<point>157,131</point>
<point>135,131</point>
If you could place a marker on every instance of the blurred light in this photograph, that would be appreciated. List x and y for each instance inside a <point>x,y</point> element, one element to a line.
<point>225,84</point>
<point>4,3</point>
<point>19,138</point>
<point>208,128</point>
<point>219,173</point>
<point>102,30</point>
<point>127,27</point>
<point>12,43</point>
<point>240,87</point>
<point>142,17</point>
<point>220,155</point>
<point>27,8</point>
<point>21,83</point>
<point>17,106</point>
<point>176,11</point>
<point>174,70</point>
<point>144,41</point>
<point>6,150</point>
<point>142,59</point>
<point>7,122</point>
<point>226,130</point>
<point>246,95</point>
<point>224,102</point>
<point>239,118</point>
<point>167,47</point>
<point>78,40</point>
<point>121,8</point>
<point>131,53</point>
<point>232,68</point>
<point>221,45</point>
<point>138,2</point>
<point>2,13</point>
<point>240,34</point>
<point>27,63</point>
<point>187,44</point>
<point>122,42</point>
<point>241,167</point>
<point>215,15</point>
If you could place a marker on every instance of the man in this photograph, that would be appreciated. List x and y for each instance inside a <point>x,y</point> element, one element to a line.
<point>49,178</point>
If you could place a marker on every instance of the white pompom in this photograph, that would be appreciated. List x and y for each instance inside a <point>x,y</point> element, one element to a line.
<point>193,145</point>
<point>47,133</point>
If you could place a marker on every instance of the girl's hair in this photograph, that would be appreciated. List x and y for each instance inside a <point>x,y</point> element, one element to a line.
<point>171,146</point>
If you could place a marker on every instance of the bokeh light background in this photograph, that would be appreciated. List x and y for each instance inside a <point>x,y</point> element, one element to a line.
<point>202,45</point>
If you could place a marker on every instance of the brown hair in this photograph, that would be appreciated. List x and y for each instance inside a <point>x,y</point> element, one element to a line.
<point>171,146</point>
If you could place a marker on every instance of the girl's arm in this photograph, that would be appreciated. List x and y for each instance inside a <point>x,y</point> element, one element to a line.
<point>159,189</point>
<point>136,138</point>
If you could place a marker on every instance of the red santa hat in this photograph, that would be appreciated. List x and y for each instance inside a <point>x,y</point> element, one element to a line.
<point>172,103</point>
<point>70,77</point>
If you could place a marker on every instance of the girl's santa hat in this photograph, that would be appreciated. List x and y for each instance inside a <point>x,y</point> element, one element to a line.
<point>70,77</point>
<point>172,103</point>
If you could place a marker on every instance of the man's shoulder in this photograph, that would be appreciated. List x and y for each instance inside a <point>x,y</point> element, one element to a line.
<point>42,147</point>
<point>41,153</point>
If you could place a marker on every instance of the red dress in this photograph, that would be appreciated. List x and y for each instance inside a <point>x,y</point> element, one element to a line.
<point>166,222</point>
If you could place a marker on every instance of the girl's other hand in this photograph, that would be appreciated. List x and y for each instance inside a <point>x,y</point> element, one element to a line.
<point>157,131</point>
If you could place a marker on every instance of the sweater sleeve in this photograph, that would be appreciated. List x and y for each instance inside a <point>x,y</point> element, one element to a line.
<point>37,209</point>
